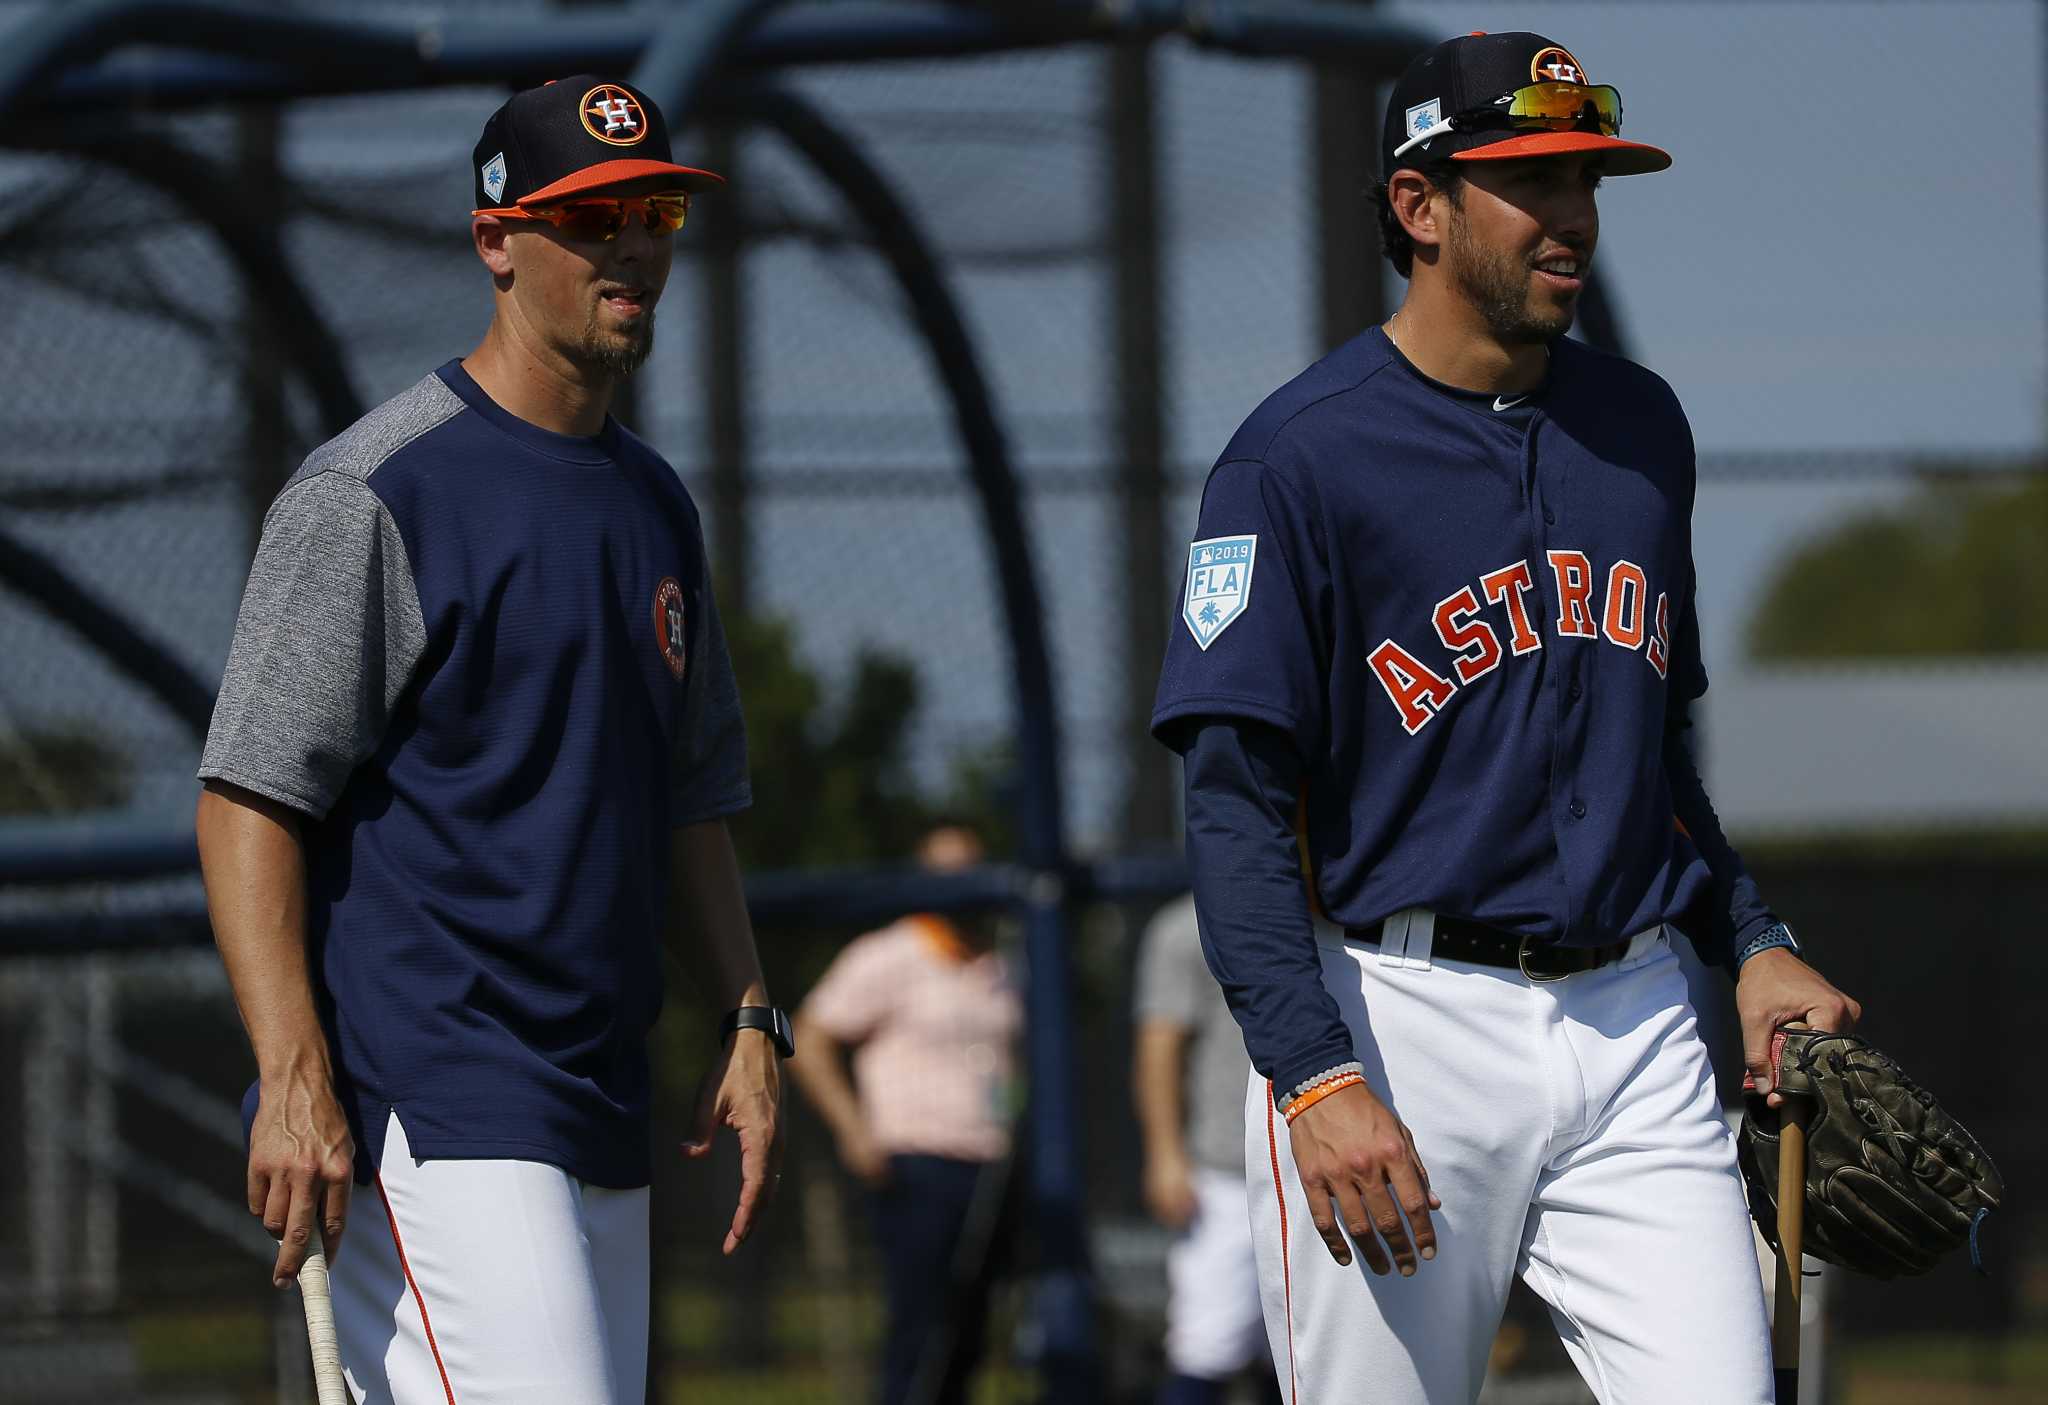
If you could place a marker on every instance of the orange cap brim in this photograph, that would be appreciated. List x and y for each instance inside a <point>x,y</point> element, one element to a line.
<point>610,173</point>
<point>1624,158</point>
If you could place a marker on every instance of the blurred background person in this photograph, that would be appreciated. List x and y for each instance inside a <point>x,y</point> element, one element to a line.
<point>908,1059</point>
<point>1187,1081</point>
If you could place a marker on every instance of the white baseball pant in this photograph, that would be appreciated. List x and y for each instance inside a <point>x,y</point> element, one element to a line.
<point>491,1283</point>
<point>1571,1131</point>
<point>1214,1325</point>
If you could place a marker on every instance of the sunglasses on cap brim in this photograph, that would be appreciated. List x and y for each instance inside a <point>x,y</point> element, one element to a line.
<point>601,219</point>
<point>1540,107</point>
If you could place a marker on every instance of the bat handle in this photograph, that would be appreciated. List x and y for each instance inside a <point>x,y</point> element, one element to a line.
<point>1792,1119</point>
<point>313,1291</point>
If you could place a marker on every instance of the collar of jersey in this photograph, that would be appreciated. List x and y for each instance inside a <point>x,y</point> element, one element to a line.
<point>568,448</point>
<point>1481,400</point>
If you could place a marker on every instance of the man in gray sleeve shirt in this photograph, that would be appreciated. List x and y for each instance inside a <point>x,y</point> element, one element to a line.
<point>470,765</point>
<point>1189,1080</point>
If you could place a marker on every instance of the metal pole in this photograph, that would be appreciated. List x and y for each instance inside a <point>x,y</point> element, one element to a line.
<point>1132,200</point>
<point>43,1077</point>
<point>101,1236</point>
<point>258,201</point>
<point>725,359</point>
<point>1347,233</point>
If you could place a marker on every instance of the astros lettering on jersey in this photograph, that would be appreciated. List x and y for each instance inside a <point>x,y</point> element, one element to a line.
<point>1417,691</point>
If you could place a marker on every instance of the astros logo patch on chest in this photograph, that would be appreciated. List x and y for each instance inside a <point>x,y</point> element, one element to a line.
<point>1219,585</point>
<point>670,624</point>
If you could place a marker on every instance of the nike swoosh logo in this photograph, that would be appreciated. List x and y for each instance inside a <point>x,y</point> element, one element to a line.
<point>1508,402</point>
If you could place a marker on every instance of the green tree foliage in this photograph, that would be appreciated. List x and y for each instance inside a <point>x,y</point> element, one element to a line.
<point>832,779</point>
<point>1960,568</point>
<point>58,772</point>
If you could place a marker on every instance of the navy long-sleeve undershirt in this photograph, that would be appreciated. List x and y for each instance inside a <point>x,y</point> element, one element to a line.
<point>1242,780</point>
<point>1735,912</point>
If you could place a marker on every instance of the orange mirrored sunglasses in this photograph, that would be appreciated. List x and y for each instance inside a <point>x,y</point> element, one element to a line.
<point>600,219</point>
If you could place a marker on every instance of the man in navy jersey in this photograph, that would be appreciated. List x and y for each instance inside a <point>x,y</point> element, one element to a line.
<point>1438,654</point>
<point>470,766</point>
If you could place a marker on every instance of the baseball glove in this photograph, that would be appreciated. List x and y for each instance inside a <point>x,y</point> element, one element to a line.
<point>1892,1181</point>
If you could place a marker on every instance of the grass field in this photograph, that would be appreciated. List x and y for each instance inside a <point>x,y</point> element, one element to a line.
<point>175,1350</point>
<point>1951,1370</point>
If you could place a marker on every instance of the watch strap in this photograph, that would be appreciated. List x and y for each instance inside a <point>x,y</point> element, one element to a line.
<point>1778,934</point>
<point>770,1020</point>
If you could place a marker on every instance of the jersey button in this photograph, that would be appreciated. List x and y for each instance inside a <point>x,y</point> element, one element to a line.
<point>1578,809</point>
<point>1549,518</point>
<point>1575,691</point>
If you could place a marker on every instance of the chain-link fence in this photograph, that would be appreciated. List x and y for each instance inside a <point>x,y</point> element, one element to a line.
<point>1842,276</point>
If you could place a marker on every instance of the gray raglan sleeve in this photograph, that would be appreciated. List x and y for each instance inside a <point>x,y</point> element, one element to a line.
<point>1171,975</point>
<point>708,770</point>
<point>328,636</point>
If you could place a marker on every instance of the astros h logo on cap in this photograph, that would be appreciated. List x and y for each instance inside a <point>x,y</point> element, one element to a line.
<point>611,114</point>
<point>1555,65</point>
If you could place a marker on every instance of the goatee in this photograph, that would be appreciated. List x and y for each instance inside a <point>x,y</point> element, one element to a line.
<point>619,353</point>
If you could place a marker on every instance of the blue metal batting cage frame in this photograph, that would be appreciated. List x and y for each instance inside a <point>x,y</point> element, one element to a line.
<point>697,59</point>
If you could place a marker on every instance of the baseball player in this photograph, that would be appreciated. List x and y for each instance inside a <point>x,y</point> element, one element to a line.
<point>1187,1082</point>
<point>1440,607</point>
<point>470,765</point>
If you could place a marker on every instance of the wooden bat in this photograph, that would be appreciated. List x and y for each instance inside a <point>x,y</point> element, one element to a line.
<point>327,1382</point>
<point>1791,1236</point>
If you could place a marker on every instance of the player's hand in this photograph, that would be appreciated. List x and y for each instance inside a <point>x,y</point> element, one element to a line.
<point>301,1165</point>
<point>863,1157</point>
<point>743,1091</point>
<point>1361,1172</point>
<point>1777,988</point>
<point>1170,1190</point>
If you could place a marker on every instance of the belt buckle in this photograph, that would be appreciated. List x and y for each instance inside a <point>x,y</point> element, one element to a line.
<point>1540,978</point>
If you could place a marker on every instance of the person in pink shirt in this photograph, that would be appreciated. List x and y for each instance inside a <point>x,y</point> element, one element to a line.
<point>908,1043</point>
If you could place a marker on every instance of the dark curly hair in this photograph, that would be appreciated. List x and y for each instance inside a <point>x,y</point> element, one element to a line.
<point>1441,172</point>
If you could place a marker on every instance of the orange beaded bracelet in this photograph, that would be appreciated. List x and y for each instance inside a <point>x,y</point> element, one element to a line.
<point>1316,1094</point>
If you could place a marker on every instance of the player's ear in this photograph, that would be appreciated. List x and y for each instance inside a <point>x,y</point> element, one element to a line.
<point>489,234</point>
<point>1418,205</point>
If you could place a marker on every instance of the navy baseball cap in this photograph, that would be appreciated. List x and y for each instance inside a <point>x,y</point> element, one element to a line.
<point>1497,97</point>
<point>574,136</point>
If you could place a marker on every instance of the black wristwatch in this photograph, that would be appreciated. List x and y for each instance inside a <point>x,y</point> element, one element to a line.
<point>766,1018</point>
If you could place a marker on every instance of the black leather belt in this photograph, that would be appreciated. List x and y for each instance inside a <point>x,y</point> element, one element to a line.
<point>1458,939</point>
